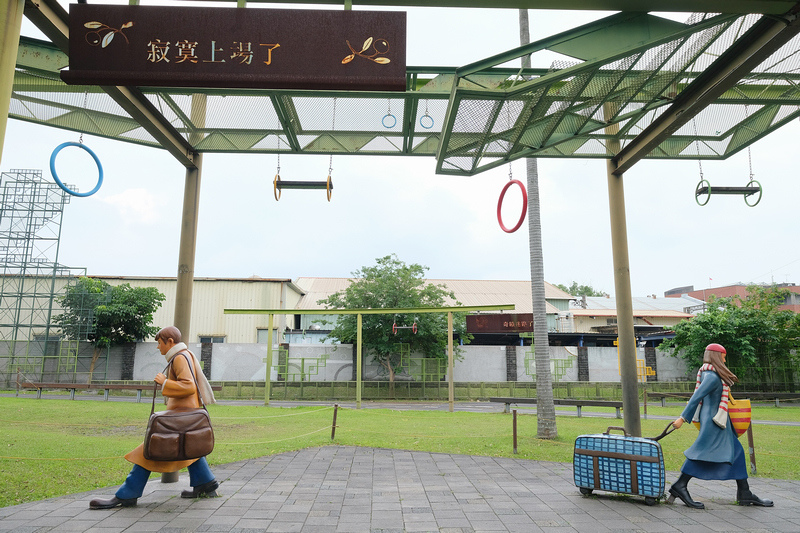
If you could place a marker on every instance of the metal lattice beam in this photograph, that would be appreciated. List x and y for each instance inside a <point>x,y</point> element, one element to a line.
<point>738,75</point>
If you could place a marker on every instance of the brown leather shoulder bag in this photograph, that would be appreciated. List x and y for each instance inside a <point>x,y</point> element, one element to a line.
<point>179,434</point>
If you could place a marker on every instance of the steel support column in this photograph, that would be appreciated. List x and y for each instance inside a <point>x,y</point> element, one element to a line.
<point>10,28</point>
<point>622,289</point>
<point>191,207</point>
<point>186,249</point>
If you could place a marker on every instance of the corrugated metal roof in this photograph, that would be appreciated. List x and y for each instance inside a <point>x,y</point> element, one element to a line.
<point>643,303</point>
<point>468,292</point>
<point>660,313</point>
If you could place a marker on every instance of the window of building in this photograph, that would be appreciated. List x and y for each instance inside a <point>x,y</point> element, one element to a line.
<point>211,338</point>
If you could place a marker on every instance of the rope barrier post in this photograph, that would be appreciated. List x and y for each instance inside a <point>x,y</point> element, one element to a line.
<point>515,431</point>
<point>752,448</point>
<point>333,427</point>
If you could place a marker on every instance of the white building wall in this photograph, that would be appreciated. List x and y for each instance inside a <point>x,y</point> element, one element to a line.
<point>210,297</point>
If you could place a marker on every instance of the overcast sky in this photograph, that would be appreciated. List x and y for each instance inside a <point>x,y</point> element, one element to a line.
<point>385,205</point>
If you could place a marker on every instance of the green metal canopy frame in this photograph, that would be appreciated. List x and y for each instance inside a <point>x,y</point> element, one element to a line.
<point>630,71</point>
<point>359,313</point>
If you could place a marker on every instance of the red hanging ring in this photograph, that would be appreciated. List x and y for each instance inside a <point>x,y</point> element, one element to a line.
<point>524,206</point>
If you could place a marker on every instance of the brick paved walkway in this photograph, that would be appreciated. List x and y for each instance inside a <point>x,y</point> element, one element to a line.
<point>351,489</point>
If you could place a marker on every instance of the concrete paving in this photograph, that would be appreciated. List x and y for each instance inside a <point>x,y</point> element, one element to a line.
<point>353,489</point>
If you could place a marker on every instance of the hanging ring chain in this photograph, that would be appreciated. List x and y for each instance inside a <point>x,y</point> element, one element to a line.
<point>749,154</point>
<point>85,104</point>
<point>697,146</point>
<point>333,130</point>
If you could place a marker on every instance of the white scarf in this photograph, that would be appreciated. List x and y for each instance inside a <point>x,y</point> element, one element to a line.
<point>205,388</point>
<point>721,418</point>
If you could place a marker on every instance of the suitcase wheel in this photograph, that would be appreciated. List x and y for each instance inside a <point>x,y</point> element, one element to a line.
<point>649,500</point>
<point>585,491</point>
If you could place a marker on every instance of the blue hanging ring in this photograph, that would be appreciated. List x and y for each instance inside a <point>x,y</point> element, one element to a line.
<point>393,119</point>
<point>58,181</point>
<point>425,124</point>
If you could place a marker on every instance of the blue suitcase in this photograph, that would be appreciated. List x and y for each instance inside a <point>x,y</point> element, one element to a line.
<point>620,463</point>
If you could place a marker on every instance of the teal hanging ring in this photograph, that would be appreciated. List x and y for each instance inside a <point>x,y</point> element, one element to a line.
<point>58,181</point>
<point>389,121</point>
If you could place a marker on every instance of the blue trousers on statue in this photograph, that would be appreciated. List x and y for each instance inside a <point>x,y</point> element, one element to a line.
<point>199,473</point>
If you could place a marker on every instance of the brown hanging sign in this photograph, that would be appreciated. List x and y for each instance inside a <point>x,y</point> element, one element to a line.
<point>236,48</point>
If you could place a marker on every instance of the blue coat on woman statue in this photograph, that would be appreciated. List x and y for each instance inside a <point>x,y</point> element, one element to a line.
<point>717,452</point>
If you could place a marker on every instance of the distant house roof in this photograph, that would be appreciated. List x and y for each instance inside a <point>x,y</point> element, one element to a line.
<point>468,292</point>
<point>642,306</point>
<point>660,313</point>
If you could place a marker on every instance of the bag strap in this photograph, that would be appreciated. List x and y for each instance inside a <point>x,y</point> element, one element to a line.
<point>196,384</point>
<point>191,369</point>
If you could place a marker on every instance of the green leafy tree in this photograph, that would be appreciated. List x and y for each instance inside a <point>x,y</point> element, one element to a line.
<point>580,290</point>
<point>391,284</point>
<point>760,338</point>
<point>107,315</point>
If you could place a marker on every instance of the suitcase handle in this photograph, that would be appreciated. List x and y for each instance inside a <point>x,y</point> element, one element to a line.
<point>667,430</point>
<point>616,427</point>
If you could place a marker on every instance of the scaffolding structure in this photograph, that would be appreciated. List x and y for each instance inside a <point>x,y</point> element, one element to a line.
<point>31,212</point>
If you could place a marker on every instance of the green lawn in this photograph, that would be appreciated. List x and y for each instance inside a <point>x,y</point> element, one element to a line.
<point>57,447</point>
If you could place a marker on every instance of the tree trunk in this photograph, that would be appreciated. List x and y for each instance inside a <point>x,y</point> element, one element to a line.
<point>388,364</point>
<point>545,409</point>
<point>95,357</point>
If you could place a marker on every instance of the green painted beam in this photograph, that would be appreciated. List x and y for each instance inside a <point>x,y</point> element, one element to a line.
<point>40,55</point>
<point>387,311</point>
<point>686,6</point>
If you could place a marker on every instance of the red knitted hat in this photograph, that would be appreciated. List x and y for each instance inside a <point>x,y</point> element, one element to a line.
<point>714,347</point>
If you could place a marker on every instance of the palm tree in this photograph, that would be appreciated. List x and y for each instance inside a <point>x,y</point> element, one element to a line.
<point>545,409</point>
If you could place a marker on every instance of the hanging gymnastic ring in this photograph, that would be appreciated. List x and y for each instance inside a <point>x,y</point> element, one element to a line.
<point>760,190</point>
<point>697,192</point>
<point>55,174</point>
<point>393,124</point>
<point>275,189</point>
<point>429,118</point>
<point>524,206</point>
<point>329,187</point>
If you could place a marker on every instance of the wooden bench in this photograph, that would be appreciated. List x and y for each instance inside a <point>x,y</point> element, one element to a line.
<point>105,387</point>
<point>683,396</point>
<point>560,401</point>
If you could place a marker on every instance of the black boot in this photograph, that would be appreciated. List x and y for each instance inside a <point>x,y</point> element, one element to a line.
<point>99,503</point>
<point>679,490</point>
<point>206,490</point>
<point>745,497</point>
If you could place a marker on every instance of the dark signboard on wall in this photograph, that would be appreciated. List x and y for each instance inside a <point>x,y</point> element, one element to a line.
<point>170,46</point>
<point>500,323</point>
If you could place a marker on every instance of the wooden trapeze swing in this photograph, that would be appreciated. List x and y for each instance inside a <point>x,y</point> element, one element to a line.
<point>278,185</point>
<point>703,192</point>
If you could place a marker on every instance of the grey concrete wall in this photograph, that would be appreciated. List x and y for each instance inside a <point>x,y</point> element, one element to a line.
<point>246,362</point>
<point>481,363</point>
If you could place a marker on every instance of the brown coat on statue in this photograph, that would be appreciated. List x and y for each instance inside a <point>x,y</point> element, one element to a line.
<point>180,391</point>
